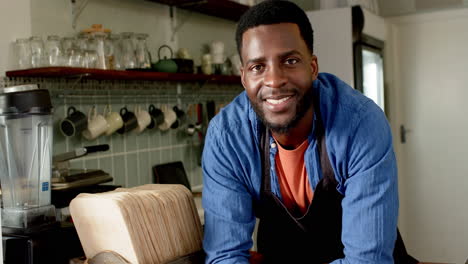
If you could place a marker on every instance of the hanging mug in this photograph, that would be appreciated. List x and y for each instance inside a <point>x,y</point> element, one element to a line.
<point>180,117</point>
<point>97,125</point>
<point>143,119</point>
<point>169,118</point>
<point>129,121</point>
<point>157,116</point>
<point>114,120</point>
<point>74,123</point>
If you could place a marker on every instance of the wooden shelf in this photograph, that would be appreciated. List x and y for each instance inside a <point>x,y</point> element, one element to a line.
<point>219,8</point>
<point>96,74</point>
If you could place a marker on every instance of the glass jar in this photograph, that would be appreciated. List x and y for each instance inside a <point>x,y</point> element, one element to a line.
<point>98,40</point>
<point>53,51</point>
<point>82,42</point>
<point>128,51</point>
<point>90,59</point>
<point>75,58</point>
<point>37,52</point>
<point>142,54</point>
<point>71,54</point>
<point>22,50</point>
<point>67,44</point>
<point>114,52</point>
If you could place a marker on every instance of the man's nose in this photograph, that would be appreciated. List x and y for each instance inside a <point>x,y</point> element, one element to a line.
<point>275,77</point>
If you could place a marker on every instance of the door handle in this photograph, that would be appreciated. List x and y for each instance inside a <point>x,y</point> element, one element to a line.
<point>403,132</point>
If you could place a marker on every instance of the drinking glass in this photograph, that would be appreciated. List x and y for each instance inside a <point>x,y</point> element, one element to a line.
<point>143,58</point>
<point>53,51</point>
<point>128,51</point>
<point>22,49</point>
<point>98,44</point>
<point>114,52</point>
<point>75,57</point>
<point>82,42</point>
<point>37,52</point>
<point>90,59</point>
<point>67,43</point>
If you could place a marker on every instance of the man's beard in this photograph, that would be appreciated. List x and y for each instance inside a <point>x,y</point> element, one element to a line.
<point>302,107</point>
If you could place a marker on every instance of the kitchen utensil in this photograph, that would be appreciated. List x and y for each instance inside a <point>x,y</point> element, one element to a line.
<point>97,125</point>
<point>65,178</point>
<point>99,39</point>
<point>37,52</point>
<point>114,52</point>
<point>143,119</point>
<point>53,51</point>
<point>79,152</point>
<point>22,50</point>
<point>169,118</point>
<point>114,120</point>
<point>128,51</point>
<point>157,116</point>
<point>74,123</point>
<point>165,65</point>
<point>180,117</point>
<point>142,54</point>
<point>25,158</point>
<point>80,178</point>
<point>90,59</point>
<point>129,121</point>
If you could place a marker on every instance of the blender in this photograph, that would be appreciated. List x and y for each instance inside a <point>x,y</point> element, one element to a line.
<point>25,159</point>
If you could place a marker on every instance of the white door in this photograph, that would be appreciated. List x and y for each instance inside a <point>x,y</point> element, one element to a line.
<point>431,75</point>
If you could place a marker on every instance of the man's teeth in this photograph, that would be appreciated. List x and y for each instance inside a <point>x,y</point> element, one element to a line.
<point>279,101</point>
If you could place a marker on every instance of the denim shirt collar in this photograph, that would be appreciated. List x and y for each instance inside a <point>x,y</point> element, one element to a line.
<point>312,138</point>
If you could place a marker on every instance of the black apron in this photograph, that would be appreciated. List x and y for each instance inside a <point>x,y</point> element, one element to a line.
<point>314,237</point>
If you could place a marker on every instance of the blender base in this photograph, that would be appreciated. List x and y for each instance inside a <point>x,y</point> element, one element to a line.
<point>26,221</point>
<point>29,231</point>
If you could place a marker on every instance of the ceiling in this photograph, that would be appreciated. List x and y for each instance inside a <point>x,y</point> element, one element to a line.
<point>388,8</point>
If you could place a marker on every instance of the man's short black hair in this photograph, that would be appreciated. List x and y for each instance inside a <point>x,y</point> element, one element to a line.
<point>274,12</point>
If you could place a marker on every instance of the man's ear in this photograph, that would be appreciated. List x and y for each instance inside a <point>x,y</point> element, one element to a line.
<point>242,72</point>
<point>314,66</point>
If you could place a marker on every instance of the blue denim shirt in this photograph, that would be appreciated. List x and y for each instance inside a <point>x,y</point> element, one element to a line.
<point>360,149</point>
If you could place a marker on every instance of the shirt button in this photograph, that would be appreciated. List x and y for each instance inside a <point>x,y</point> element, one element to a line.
<point>273,145</point>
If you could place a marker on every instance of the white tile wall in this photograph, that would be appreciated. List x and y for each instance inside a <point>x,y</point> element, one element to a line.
<point>131,156</point>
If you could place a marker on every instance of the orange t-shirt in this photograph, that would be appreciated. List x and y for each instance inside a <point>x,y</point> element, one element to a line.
<point>292,177</point>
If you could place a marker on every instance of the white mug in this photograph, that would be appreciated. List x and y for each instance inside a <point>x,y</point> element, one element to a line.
<point>113,119</point>
<point>97,125</point>
<point>169,118</point>
<point>143,119</point>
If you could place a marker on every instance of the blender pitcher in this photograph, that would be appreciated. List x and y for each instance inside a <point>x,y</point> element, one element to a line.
<point>26,157</point>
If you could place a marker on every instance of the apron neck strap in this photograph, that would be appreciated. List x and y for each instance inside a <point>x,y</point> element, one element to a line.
<point>329,180</point>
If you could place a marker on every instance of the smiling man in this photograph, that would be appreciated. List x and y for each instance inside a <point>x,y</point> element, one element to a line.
<point>305,153</point>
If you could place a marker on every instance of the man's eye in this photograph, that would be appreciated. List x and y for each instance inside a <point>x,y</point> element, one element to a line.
<point>291,61</point>
<point>256,68</point>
